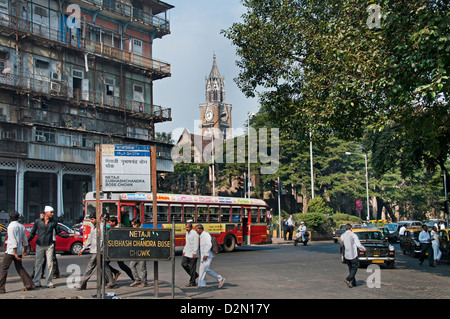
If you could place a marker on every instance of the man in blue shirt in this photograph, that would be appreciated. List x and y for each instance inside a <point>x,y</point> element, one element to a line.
<point>425,245</point>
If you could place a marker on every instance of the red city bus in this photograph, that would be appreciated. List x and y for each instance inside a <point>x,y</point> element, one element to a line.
<point>233,221</point>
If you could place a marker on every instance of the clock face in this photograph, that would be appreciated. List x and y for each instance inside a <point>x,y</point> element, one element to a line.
<point>225,117</point>
<point>209,115</point>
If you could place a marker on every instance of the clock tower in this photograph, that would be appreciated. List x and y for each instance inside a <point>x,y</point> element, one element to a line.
<point>215,113</point>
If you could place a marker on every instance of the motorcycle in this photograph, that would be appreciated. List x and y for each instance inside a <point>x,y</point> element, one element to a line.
<point>298,239</point>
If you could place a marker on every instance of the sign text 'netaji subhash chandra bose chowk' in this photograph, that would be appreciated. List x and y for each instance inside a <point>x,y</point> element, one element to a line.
<point>126,168</point>
<point>138,244</point>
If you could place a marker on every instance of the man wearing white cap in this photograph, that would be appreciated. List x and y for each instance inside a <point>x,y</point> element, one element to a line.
<point>45,228</point>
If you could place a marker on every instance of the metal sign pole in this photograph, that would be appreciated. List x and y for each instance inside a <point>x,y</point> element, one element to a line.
<point>155,211</point>
<point>103,257</point>
<point>173,259</point>
<point>98,178</point>
<point>279,208</point>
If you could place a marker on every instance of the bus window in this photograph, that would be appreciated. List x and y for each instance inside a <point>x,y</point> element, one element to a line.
<point>110,208</point>
<point>236,214</point>
<point>225,214</point>
<point>126,215</point>
<point>148,213</point>
<point>262,215</point>
<point>254,215</point>
<point>202,214</point>
<point>90,208</point>
<point>175,213</point>
<point>213,214</point>
<point>189,213</point>
<point>163,213</point>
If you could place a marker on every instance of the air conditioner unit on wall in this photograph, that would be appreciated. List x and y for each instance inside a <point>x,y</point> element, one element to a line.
<point>56,76</point>
<point>55,87</point>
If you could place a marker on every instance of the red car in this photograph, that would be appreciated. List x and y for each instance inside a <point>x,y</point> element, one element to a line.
<point>68,245</point>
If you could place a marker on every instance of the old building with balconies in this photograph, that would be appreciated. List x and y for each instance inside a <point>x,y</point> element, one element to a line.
<point>74,74</point>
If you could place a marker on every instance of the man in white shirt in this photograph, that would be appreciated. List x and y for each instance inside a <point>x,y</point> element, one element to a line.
<point>301,231</point>
<point>190,253</point>
<point>402,230</point>
<point>16,245</point>
<point>290,226</point>
<point>206,257</point>
<point>91,244</point>
<point>425,245</point>
<point>350,243</point>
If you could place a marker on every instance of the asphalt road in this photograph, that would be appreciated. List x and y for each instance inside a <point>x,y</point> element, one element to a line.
<point>315,271</point>
<point>270,272</point>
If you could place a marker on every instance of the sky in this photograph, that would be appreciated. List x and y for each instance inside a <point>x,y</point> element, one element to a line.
<point>195,37</point>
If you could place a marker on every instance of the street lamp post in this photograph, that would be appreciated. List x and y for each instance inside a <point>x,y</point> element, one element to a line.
<point>312,165</point>
<point>224,114</point>
<point>367,182</point>
<point>249,116</point>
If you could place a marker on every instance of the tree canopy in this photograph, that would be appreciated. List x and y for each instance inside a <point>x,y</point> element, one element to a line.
<point>326,67</point>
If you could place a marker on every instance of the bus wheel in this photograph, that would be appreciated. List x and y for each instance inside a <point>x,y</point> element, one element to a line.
<point>229,244</point>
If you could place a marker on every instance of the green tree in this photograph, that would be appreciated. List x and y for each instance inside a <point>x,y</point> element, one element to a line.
<point>318,206</point>
<point>164,137</point>
<point>323,69</point>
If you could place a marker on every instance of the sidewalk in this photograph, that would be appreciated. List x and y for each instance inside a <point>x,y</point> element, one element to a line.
<point>281,241</point>
<point>62,291</point>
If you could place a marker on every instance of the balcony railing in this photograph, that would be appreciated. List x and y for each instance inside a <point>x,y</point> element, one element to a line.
<point>62,90</point>
<point>127,10</point>
<point>94,47</point>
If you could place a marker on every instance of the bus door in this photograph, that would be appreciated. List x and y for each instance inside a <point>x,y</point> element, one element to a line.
<point>127,214</point>
<point>236,219</point>
<point>254,227</point>
<point>246,230</point>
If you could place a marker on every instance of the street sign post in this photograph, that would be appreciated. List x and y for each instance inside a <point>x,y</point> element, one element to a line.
<point>124,168</point>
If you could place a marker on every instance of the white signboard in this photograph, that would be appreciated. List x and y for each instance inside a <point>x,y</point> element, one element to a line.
<point>126,168</point>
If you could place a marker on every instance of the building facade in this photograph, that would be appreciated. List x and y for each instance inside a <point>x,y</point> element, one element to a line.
<point>74,74</point>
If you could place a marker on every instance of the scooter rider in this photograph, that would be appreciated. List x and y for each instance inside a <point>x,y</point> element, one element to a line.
<point>302,230</point>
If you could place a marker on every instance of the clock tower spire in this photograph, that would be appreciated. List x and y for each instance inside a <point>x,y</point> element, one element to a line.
<point>215,106</point>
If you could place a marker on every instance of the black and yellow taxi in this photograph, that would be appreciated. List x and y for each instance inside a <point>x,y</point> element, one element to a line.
<point>378,248</point>
<point>444,243</point>
<point>409,242</point>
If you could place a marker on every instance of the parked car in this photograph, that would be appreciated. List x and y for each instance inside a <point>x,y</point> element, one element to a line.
<point>433,222</point>
<point>338,232</point>
<point>410,223</point>
<point>3,232</point>
<point>386,233</point>
<point>410,242</point>
<point>378,249</point>
<point>393,231</point>
<point>70,245</point>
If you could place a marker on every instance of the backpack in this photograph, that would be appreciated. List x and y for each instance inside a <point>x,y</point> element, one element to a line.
<point>216,248</point>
